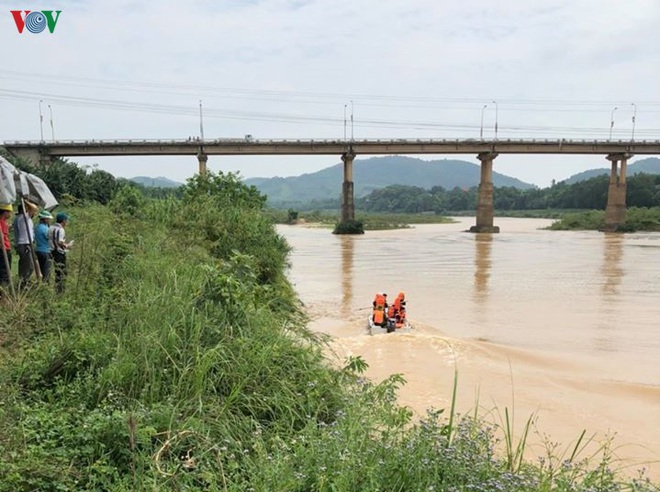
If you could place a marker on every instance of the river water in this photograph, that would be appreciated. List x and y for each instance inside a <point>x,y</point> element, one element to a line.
<point>564,326</point>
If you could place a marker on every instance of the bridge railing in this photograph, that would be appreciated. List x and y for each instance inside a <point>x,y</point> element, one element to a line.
<point>253,141</point>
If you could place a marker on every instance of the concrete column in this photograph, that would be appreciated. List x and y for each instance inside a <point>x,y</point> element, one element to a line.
<point>347,192</point>
<point>30,156</point>
<point>485,199</point>
<point>615,211</point>
<point>624,170</point>
<point>202,158</point>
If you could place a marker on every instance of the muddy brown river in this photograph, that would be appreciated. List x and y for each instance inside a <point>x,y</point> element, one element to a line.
<point>564,326</point>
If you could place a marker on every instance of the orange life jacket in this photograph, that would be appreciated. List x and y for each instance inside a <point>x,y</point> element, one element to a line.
<point>402,315</point>
<point>400,299</point>
<point>400,309</point>
<point>379,309</point>
<point>391,312</point>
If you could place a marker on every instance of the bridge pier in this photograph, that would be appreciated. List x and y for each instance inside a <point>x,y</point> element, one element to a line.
<point>35,156</point>
<point>615,211</point>
<point>485,200</point>
<point>202,158</point>
<point>347,191</point>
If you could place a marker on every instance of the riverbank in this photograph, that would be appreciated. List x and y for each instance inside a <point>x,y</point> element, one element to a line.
<point>370,221</point>
<point>637,219</point>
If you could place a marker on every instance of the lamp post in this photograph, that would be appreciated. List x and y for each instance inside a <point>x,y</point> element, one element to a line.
<point>481,128</point>
<point>634,117</point>
<point>496,116</point>
<point>345,105</point>
<point>41,119</point>
<point>52,127</point>
<point>612,120</point>
<point>351,120</point>
<point>201,122</point>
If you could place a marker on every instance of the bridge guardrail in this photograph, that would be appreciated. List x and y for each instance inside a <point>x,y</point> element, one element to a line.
<point>264,142</point>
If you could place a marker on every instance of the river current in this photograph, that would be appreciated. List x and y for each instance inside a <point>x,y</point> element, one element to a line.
<point>564,326</point>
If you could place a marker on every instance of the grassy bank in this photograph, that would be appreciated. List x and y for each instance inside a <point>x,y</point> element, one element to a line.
<point>637,219</point>
<point>370,221</point>
<point>529,214</point>
<point>178,359</point>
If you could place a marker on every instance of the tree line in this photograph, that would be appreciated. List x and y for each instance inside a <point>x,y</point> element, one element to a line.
<point>70,182</point>
<point>643,190</point>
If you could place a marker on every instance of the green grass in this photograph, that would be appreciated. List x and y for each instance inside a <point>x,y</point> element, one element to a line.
<point>637,219</point>
<point>178,359</point>
<point>370,221</point>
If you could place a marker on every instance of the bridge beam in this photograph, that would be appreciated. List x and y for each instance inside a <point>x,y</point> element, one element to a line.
<point>347,190</point>
<point>485,213</point>
<point>202,158</point>
<point>615,211</point>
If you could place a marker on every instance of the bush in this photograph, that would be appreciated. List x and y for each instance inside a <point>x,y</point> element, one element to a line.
<point>349,227</point>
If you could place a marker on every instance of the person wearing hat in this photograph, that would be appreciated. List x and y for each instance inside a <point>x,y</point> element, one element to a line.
<point>59,247</point>
<point>5,262</point>
<point>24,236</point>
<point>44,257</point>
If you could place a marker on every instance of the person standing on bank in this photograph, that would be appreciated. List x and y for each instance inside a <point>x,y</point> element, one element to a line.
<point>43,248</point>
<point>5,261</point>
<point>24,236</point>
<point>59,247</point>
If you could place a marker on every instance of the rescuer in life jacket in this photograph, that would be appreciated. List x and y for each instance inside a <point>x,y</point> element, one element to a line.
<point>397,310</point>
<point>400,305</point>
<point>380,310</point>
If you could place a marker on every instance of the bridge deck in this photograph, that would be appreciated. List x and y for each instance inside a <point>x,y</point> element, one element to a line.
<point>329,147</point>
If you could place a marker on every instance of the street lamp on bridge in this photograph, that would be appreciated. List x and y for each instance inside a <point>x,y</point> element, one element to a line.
<point>496,111</point>
<point>634,117</point>
<point>612,120</point>
<point>201,122</point>
<point>345,122</point>
<point>41,119</point>
<point>52,127</point>
<point>481,130</point>
<point>352,120</point>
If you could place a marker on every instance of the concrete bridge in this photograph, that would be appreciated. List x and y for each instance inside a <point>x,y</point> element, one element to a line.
<point>617,152</point>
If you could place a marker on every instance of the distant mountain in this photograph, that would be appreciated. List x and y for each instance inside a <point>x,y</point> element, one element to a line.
<point>650,165</point>
<point>374,173</point>
<point>159,182</point>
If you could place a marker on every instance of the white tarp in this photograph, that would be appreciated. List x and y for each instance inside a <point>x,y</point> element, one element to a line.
<point>15,184</point>
<point>8,188</point>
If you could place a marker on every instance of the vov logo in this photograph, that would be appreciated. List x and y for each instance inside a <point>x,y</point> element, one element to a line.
<point>35,20</point>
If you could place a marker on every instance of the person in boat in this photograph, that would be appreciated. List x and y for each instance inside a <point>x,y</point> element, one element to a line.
<point>380,310</point>
<point>392,312</point>
<point>397,310</point>
<point>401,304</point>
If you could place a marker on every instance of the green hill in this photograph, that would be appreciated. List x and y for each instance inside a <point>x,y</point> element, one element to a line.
<point>374,173</point>
<point>650,165</point>
<point>159,182</point>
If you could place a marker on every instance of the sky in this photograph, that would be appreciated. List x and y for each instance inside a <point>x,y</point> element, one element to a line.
<point>301,69</point>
